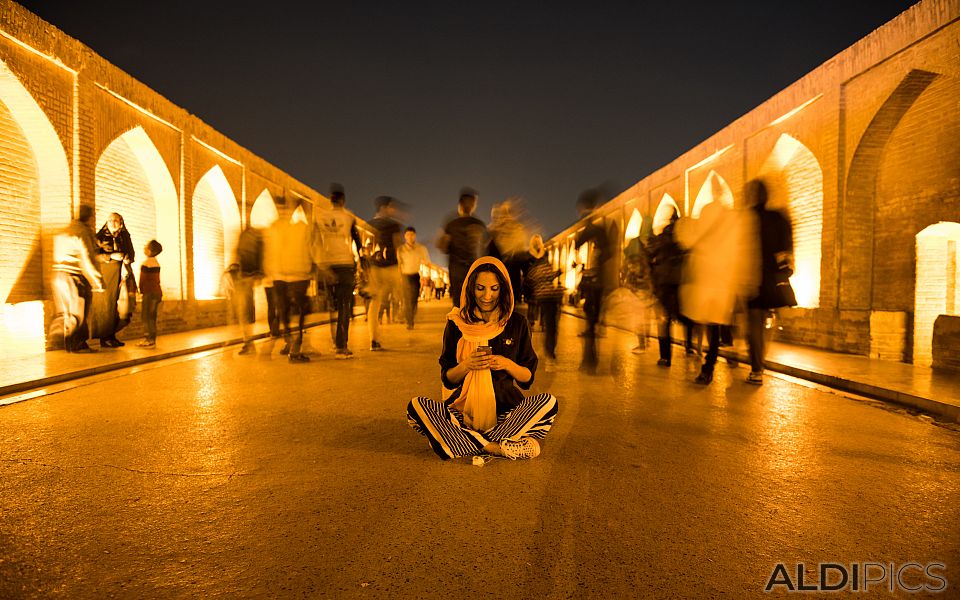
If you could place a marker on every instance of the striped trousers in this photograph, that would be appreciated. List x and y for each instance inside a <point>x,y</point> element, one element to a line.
<point>450,438</point>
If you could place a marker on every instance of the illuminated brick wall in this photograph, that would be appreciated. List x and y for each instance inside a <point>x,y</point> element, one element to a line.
<point>863,154</point>
<point>20,273</point>
<point>122,187</point>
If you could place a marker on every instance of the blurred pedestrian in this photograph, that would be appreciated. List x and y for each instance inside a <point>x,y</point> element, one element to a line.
<point>288,260</point>
<point>636,278</point>
<point>112,309</point>
<point>547,293</point>
<point>339,235</point>
<point>774,241</point>
<point>487,353</point>
<point>595,280</point>
<point>75,278</point>
<point>716,272</point>
<point>385,281</point>
<point>411,256</point>
<point>151,293</point>
<point>666,270</point>
<point>250,252</point>
<point>509,242</point>
<point>463,240</point>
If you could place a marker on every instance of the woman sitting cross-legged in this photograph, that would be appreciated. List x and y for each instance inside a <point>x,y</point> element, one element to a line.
<point>486,350</point>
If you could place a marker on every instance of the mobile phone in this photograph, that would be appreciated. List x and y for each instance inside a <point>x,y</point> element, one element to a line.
<point>485,349</point>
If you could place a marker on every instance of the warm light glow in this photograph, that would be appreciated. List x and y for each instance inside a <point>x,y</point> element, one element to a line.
<point>298,216</point>
<point>791,113</point>
<point>133,180</point>
<point>714,189</point>
<point>216,226</point>
<point>21,328</point>
<point>264,211</point>
<point>51,182</point>
<point>665,209</point>
<point>634,225</point>
<point>938,279</point>
<point>795,183</point>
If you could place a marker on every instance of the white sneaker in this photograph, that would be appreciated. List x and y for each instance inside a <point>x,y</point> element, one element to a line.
<point>522,448</point>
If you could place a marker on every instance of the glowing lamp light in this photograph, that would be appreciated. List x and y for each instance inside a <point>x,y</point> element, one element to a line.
<point>21,328</point>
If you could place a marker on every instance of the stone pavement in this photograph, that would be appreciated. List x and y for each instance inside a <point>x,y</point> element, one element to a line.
<point>934,392</point>
<point>215,475</point>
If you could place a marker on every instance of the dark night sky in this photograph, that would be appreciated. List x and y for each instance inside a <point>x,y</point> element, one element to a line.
<point>534,99</point>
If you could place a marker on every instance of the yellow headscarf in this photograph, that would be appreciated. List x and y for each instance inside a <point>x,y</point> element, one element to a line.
<point>477,401</point>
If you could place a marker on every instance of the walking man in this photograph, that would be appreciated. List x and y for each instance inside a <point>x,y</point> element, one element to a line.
<point>411,255</point>
<point>463,240</point>
<point>338,233</point>
<point>384,272</point>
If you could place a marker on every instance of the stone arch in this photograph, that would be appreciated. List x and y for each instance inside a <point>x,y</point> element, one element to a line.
<point>35,201</point>
<point>714,189</point>
<point>264,211</point>
<point>795,184</point>
<point>938,285</point>
<point>634,225</point>
<point>665,209</point>
<point>216,226</point>
<point>857,222</point>
<point>132,179</point>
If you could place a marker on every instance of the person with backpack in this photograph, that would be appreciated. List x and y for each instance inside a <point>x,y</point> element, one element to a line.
<point>248,275</point>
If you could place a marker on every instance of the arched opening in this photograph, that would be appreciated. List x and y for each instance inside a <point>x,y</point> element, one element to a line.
<point>665,210</point>
<point>133,180</point>
<point>216,226</point>
<point>264,211</point>
<point>938,251</point>
<point>34,204</point>
<point>795,183</point>
<point>714,189</point>
<point>634,225</point>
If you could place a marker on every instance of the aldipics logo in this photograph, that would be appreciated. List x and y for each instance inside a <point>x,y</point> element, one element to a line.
<point>859,577</point>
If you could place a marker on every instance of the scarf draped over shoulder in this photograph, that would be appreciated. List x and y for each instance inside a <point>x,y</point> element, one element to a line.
<point>477,401</point>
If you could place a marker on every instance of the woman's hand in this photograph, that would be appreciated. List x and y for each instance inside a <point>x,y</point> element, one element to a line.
<point>477,361</point>
<point>500,363</point>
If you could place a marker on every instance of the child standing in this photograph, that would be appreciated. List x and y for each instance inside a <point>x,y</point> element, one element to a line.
<point>152,294</point>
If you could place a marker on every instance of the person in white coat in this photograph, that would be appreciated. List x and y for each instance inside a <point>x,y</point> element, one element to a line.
<point>719,270</point>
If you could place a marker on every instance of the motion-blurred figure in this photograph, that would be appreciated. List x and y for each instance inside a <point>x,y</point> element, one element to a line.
<point>463,240</point>
<point>636,278</point>
<point>338,232</point>
<point>774,241</point>
<point>75,278</point>
<point>509,242</point>
<point>666,269</point>
<point>288,260</point>
<point>718,271</point>
<point>250,250</point>
<point>411,255</point>
<point>547,293</point>
<point>384,272</point>
<point>596,280</point>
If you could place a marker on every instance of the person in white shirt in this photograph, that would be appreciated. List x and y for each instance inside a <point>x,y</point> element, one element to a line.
<point>339,235</point>
<point>411,255</point>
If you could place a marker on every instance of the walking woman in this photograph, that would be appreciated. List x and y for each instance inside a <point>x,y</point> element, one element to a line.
<point>486,354</point>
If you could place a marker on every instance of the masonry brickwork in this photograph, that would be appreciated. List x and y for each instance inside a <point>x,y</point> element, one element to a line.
<point>882,120</point>
<point>56,84</point>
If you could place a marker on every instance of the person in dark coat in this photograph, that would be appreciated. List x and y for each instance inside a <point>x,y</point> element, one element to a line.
<point>776,265</point>
<point>666,265</point>
<point>115,255</point>
<point>463,240</point>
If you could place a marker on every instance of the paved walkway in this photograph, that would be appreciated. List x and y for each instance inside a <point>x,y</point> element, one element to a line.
<point>936,392</point>
<point>931,391</point>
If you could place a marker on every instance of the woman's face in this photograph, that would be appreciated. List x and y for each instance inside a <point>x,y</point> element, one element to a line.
<point>114,222</point>
<point>487,291</point>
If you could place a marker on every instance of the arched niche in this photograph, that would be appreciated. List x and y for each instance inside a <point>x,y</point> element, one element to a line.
<point>634,225</point>
<point>665,209</point>
<point>938,282</point>
<point>264,211</point>
<point>35,202</point>
<point>216,227</point>
<point>132,179</point>
<point>795,185</point>
<point>714,189</point>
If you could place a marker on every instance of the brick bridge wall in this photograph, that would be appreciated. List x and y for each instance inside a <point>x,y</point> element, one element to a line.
<point>865,149</point>
<point>63,110</point>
